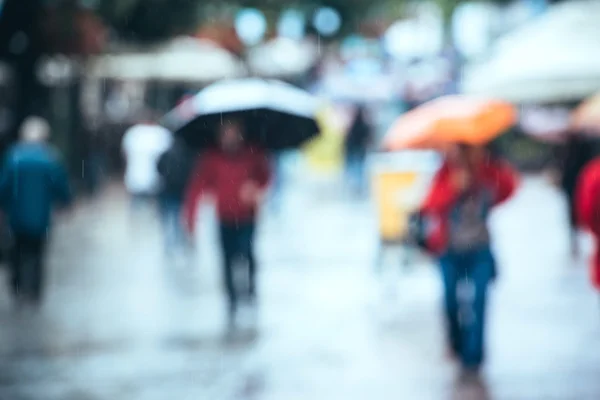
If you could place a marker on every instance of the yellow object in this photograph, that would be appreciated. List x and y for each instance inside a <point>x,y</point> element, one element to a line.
<point>325,152</point>
<point>400,181</point>
<point>389,188</point>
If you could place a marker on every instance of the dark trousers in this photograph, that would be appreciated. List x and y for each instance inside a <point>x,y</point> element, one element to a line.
<point>466,276</point>
<point>27,266</point>
<point>237,246</point>
<point>355,168</point>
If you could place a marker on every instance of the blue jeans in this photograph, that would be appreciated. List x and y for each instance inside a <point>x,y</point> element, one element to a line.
<point>355,169</point>
<point>468,272</point>
<point>237,242</point>
<point>174,231</point>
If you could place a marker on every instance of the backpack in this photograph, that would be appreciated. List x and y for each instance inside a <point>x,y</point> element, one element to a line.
<point>175,167</point>
<point>419,229</point>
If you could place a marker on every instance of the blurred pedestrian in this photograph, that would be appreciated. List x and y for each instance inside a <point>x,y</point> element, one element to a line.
<point>175,167</point>
<point>142,146</point>
<point>357,142</point>
<point>237,175</point>
<point>587,206</point>
<point>33,181</point>
<point>577,153</point>
<point>469,184</point>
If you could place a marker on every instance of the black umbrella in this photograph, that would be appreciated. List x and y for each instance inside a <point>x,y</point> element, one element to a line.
<point>275,115</point>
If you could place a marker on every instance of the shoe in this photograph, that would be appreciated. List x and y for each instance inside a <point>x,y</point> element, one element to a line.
<point>452,354</point>
<point>232,312</point>
<point>470,374</point>
<point>251,300</point>
<point>20,302</point>
<point>453,350</point>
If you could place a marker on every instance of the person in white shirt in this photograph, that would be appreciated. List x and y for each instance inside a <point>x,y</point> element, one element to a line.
<point>143,144</point>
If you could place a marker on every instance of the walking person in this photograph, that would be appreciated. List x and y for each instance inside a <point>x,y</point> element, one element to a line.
<point>142,146</point>
<point>578,153</point>
<point>237,176</point>
<point>357,143</point>
<point>175,167</point>
<point>33,181</point>
<point>587,206</point>
<point>469,184</point>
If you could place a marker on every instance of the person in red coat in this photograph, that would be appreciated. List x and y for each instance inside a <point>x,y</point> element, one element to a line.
<point>588,210</point>
<point>237,177</point>
<point>466,188</point>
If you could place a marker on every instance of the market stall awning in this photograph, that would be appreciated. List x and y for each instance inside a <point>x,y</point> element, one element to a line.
<point>181,60</point>
<point>195,60</point>
<point>555,58</point>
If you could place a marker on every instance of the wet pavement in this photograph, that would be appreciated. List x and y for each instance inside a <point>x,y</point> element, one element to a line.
<point>123,322</point>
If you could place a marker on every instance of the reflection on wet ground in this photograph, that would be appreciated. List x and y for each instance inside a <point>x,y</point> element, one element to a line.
<point>121,322</point>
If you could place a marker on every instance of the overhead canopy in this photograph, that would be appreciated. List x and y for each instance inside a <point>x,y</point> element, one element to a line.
<point>195,60</point>
<point>181,60</point>
<point>363,81</point>
<point>125,66</point>
<point>282,57</point>
<point>555,58</point>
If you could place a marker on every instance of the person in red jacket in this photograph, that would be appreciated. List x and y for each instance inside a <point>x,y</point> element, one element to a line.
<point>468,185</point>
<point>587,204</point>
<point>237,177</point>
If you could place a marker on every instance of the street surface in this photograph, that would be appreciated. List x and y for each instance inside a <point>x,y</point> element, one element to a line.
<point>122,322</point>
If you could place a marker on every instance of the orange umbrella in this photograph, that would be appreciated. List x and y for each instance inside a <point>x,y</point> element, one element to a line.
<point>587,116</point>
<point>451,119</point>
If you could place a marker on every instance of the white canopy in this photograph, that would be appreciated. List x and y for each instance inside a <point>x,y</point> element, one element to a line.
<point>275,114</point>
<point>347,88</point>
<point>194,60</point>
<point>254,93</point>
<point>282,57</point>
<point>126,66</point>
<point>554,58</point>
<point>181,60</point>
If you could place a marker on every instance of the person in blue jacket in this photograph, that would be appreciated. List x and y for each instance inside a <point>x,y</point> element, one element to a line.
<point>32,182</point>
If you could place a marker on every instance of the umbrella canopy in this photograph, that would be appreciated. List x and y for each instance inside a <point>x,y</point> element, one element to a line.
<point>587,116</point>
<point>555,58</point>
<point>275,115</point>
<point>451,119</point>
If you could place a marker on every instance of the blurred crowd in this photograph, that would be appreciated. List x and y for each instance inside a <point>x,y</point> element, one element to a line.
<point>434,146</point>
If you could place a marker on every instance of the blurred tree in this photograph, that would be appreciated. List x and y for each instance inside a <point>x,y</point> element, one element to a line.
<point>21,46</point>
<point>31,29</point>
<point>150,20</point>
<point>70,29</point>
